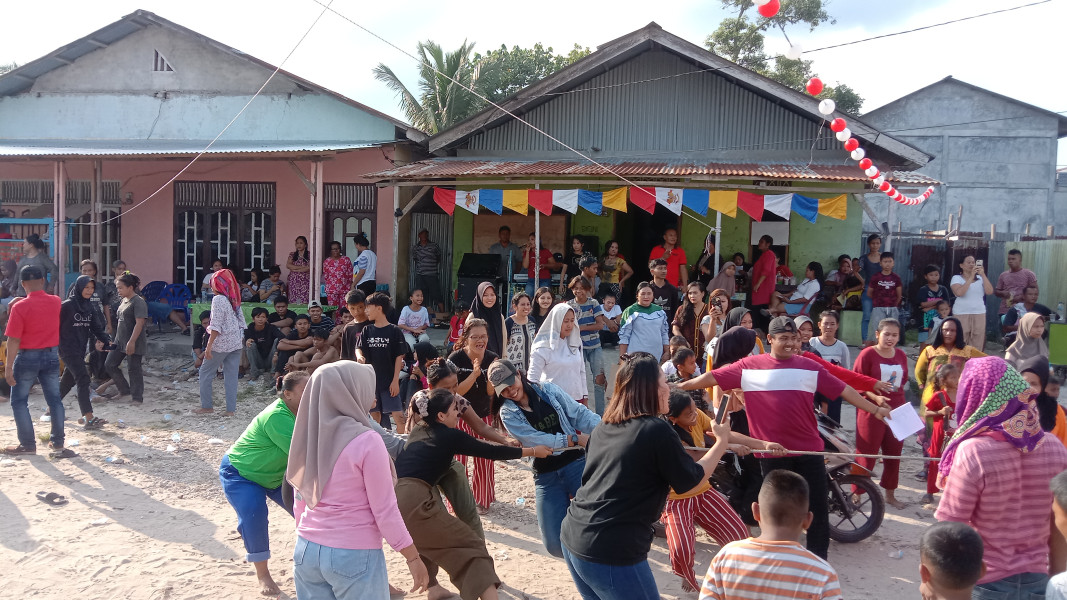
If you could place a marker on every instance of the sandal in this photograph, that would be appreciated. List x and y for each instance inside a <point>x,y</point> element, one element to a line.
<point>95,423</point>
<point>19,449</point>
<point>62,453</point>
<point>51,498</point>
<point>202,411</point>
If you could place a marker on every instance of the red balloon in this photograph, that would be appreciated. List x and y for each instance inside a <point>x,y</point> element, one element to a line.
<point>885,186</point>
<point>865,164</point>
<point>838,125</point>
<point>770,9</point>
<point>815,88</point>
<point>852,144</point>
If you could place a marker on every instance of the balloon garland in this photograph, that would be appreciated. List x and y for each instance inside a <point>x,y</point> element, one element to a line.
<point>769,8</point>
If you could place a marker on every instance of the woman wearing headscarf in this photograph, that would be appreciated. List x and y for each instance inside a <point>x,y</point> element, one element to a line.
<point>1035,371</point>
<point>225,341</point>
<point>705,268</point>
<point>725,280</point>
<point>344,499</point>
<point>995,474</point>
<point>485,307</point>
<point>737,317</point>
<point>78,319</point>
<point>556,354</point>
<point>1028,341</point>
<point>443,540</point>
<point>35,252</point>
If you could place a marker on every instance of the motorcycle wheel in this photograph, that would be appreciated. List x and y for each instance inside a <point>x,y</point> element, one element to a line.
<point>854,522</point>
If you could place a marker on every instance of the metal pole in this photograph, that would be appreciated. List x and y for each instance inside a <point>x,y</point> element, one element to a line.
<point>315,244</point>
<point>59,210</point>
<point>537,246</point>
<point>718,239</point>
<point>393,287</point>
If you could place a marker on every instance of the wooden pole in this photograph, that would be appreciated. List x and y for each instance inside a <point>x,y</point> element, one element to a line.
<point>59,211</point>
<point>1051,232</point>
<point>1027,229</point>
<point>992,231</point>
<point>96,230</point>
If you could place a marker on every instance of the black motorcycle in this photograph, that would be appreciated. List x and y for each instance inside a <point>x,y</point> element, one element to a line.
<point>852,517</point>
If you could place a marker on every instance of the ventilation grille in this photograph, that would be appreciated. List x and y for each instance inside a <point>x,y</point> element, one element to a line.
<point>160,64</point>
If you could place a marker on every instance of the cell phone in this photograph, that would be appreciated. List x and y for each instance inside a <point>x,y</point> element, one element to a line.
<point>979,262</point>
<point>720,412</point>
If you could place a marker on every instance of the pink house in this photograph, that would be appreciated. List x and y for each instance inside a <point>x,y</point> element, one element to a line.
<point>97,133</point>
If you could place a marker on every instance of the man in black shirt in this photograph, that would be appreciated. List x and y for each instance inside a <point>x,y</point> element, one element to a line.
<point>357,307</point>
<point>1011,318</point>
<point>382,346</point>
<point>281,317</point>
<point>663,293</point>
<point>200,338</point>
<point>261,343</point>
<point>318,319</point>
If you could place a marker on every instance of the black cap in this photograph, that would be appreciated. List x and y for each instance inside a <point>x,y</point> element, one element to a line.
<point>31,273</point>
<point>781,325</point>
<point>502,373</point>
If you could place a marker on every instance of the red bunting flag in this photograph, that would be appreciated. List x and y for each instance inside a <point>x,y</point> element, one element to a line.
<point>541,200</point>
<point>644,198</point>
<point>446,199</point>
<point>751,203</point>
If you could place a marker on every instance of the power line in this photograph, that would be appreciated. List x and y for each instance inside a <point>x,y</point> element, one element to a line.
<point>960,20</point>
<point>224,129</point>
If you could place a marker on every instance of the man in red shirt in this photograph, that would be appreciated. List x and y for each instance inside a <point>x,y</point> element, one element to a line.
<point>33,355</point>
<point>779,399</point>
<point>675,257</point>
<point>763,279</point>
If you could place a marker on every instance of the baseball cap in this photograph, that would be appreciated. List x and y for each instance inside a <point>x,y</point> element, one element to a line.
<point>30,273</point>
<point>502,373</point>
<point>314,304</point>
<point>781,325</point>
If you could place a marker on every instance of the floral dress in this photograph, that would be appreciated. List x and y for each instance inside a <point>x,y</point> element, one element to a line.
<point>337,275</point>
<point>299,282</point>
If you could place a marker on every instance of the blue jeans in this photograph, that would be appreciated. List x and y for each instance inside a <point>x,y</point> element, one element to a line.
<point>554,491</point>
<point>324,573</point>
<point>868,305</point>
<point>611,582</point>
<point>249,500</point>
<point>594,357</point>
<point>530,289</point>
<point>231,363</point>
<point>257,363</point>
<point>1024,586</point>
<point>30,366</point>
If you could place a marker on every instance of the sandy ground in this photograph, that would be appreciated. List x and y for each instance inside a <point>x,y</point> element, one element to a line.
<point>157,525</point>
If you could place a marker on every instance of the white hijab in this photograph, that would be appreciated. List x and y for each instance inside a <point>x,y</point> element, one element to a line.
<point>548,335</point>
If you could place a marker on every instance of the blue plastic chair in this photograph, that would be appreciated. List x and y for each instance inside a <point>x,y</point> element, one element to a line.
<point>151,291</point>
<point>178,296</point>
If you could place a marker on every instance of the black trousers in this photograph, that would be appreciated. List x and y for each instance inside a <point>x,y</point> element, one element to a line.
<point>368,287</point>
<point>97,370</point>
<point>813,470</point>
<point>135,386</point>
<point>75,373</point>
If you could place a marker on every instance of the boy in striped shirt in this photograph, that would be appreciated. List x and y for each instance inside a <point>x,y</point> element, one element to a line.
<point>774,565</point>
<point>591,320</point>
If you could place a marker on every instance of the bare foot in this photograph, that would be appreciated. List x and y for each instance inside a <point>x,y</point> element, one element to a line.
<point>228,414</point>
<point>267,586</point>
<point>395,592</point>
<point>891,500</point>
<point>483,510</point>
<point>438,593</point>
<point>203,411</point>
<point>686,586</point>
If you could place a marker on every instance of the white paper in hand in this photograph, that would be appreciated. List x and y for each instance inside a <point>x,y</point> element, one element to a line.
<point>903,421</point>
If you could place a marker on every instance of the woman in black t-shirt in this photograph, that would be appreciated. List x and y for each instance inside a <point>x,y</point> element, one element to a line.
<point>634,460</point>
<point>472,359</point>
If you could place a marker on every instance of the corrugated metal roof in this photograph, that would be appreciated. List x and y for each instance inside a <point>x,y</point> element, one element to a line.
<point>35,148</point>
<point>451,168</point>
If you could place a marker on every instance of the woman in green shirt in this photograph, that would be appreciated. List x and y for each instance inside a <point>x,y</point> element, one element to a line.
<point>253,470</point>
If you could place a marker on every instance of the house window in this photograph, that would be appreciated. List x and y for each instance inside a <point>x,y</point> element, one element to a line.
<point>232,221</point>
<point>160,64</point>
<point>81,247</point>
<point>350,210</point>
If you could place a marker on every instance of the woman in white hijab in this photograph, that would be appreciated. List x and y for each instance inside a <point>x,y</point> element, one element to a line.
<point>344,498</point>
<point>1029,341</point>
<point>556,353</point>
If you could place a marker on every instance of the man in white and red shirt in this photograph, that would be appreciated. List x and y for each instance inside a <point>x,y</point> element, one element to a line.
<point>779,400</point>
<point>675,257</point>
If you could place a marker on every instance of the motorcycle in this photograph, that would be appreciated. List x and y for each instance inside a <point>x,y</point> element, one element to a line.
<point>853,517</point>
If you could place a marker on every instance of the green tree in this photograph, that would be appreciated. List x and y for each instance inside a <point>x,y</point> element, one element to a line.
<point>445,81</point>
<point>740,40</point>
<point>505,72</point>
<point>11,66</point>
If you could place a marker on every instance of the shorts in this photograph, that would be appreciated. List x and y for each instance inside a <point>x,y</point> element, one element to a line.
<point>159,310</point>
<point>793,309</point>
<point>387,403</point>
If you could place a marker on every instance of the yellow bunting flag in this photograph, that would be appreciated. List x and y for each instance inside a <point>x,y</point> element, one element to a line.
<point>517,200</point>
<point>615,199</point>
<point>835,208</point>
<point>724,202</point>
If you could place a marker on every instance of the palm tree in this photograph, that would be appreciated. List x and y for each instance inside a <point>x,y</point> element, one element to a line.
<point>445,79</point>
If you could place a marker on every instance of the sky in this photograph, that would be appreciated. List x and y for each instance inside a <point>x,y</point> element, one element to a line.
<point>1018,54</point>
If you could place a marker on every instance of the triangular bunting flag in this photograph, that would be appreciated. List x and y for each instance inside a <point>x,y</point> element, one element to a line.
<point>644,198</point>
<point>779,204</point>
<point>670,198</point>
<point>615,199</point>
<point>446,199</point>
<point>467,200</point>
<point>724,202</point>
<point>696,201</point>
<point>541,200</point>
<point>806,207</point>
<point>566,199</point>
<point>751,203</point>
<point>516,200</point>
<point>492,200</point>
<point>835,208</point>
<point>593,201</point>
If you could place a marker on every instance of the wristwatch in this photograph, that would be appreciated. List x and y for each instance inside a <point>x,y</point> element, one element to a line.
<point>573,440</point>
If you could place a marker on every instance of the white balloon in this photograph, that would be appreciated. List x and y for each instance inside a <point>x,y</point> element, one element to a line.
<point>844,134</point>
<point>827,107</point>
<point>762,2</point>
<point>794,52</point>
<point>871,171</point>
<point>858,154</point>
<point>879,180</point>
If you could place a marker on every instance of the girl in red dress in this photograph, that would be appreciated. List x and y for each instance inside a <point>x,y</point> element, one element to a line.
<point>939,408</point>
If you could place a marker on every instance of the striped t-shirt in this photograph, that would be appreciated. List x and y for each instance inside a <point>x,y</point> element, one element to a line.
<point>755,569</point>
<point>587,314</point>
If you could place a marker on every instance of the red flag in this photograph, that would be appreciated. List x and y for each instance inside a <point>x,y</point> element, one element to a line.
<point>541,200</point>
<point>751,203</point>
<point>446,199</point>
<point>644,198</point>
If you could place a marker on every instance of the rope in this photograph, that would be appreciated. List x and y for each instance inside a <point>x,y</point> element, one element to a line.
<point>839,454</point>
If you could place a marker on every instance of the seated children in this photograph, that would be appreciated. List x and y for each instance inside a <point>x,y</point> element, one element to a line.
<point>297,340</point>
<point>341,317</point>
<point>200,338</point>
<point>609,335</point>
<point>775,561</point>
<point>676,342</point>
<point>253,469</point>
<point>950,561</point>
<point>318,317</point>
<point>261,344</point>
<point>272,288</point>
<point>414,320</point>
<point>320,353</point>
<point>281,317</point>
<point>930,297</point>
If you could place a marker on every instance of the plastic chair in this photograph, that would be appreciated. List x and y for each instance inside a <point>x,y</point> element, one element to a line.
<point>151,291</point>
<point>178,296</point>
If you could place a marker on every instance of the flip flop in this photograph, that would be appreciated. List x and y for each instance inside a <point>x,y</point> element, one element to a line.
<point>17,450</point>
<point>52,498</point>
<point>63,453</point>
